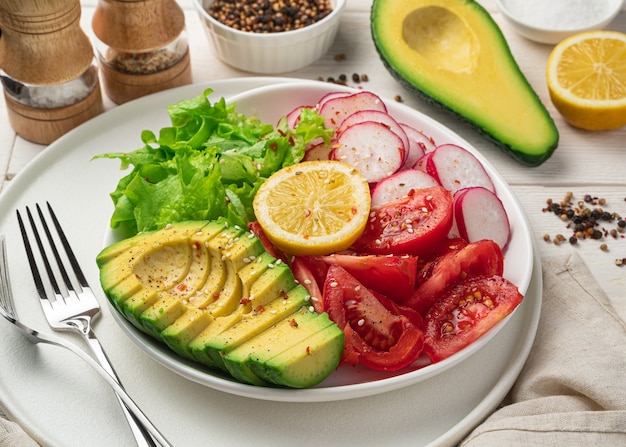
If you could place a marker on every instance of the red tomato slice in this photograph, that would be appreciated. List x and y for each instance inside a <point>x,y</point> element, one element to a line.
<point>414,224</point>
<point>375,336</point>
<point>392,276</point>
<point>425,266</point>
<point>255,228</point>
<point>304,272</point>
<point>479,258</point>
<point>465,312</point>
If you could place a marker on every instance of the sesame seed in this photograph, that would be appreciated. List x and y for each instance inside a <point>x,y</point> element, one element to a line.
<point>361,322</point>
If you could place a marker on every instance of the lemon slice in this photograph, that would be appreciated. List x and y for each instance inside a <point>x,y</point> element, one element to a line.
<point>586,76</point>
<point>314,207</point>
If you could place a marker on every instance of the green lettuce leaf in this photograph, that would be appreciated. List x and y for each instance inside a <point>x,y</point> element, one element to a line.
<point>207,165</point>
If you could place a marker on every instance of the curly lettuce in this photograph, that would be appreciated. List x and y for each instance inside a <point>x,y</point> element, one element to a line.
<point>207,165</point>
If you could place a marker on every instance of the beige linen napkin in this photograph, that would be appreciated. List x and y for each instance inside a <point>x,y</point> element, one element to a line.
<point>12,435</point>
<point>572,390</point>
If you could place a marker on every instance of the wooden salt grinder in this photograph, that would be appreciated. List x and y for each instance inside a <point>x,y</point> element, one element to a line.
<point>42,48</point>
<point>142,47</point>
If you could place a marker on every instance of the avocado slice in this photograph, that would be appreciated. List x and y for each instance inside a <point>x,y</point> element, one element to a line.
<point>299,351</point>
<point>206,289</point>
<point>250,324</point>
<point>453,54</point>
<point>269,294</point>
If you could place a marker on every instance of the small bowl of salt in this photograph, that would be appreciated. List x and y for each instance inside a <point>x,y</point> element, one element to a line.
<point>552,21</point>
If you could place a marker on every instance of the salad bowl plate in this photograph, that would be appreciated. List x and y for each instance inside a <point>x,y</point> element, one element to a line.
<point>434,405</point>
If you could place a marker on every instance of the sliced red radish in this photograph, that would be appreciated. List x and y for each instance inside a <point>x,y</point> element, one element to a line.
<point>422,162</point>
<point>374,149</point>
<point>419,144</point>
<point>319,151</point>
<point>335,110</point>
<point>399,184</point>
<point>479,214</point>
<point>331,95</point>
<point>455,168</point>
<point>379,117</point>
<point>293,117</point>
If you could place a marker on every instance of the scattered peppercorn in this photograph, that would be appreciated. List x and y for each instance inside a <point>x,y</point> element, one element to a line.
<point>398,98</point>
<point>269,16</point>
<point>586,219</point>
<point>342,79</point>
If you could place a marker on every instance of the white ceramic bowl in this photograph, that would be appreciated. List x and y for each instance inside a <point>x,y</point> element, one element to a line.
<point>552,21</point>
<point>271,53</point>
<point>269,104</point>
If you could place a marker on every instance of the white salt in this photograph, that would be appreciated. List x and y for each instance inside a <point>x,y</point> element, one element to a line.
<point>558,14</point>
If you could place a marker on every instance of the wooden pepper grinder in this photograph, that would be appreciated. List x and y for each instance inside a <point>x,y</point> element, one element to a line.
<point>142,47</point>
<point>47,68</point>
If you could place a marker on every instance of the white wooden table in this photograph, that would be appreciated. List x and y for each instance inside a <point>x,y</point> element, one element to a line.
<point>584,163</point>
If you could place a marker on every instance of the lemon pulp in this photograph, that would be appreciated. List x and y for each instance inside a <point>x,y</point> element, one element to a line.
<point>586,76</point>
<point>316,207</point>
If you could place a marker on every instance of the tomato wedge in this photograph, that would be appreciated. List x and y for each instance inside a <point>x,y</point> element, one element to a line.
<point>255,228</point>
<point>482,258</point>
<point>425,266</point>
<point>374,336</point>
<point>465,312</point>
<point>392,276</point>
<point>415,224</point>
<point>306,273</point>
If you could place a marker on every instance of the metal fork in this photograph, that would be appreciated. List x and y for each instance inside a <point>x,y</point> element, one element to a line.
<point>7,310</point>
<point>74,307</point>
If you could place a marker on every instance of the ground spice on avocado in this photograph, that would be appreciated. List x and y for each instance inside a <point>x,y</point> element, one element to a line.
<point>586,219</point>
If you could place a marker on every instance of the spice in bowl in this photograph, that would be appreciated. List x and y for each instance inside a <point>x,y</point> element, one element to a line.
<point>270,36</point>
<point>269,16</point>
<point>554,20</point>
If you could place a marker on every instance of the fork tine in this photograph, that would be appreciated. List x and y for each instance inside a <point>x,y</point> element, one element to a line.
<point>6,297</point>
<point>41,290</point>
<point>53,246</point>
<point>68,249</point>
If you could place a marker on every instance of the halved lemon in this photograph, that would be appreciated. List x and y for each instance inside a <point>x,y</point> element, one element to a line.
<point>586,76</point>
<point>314,207</point>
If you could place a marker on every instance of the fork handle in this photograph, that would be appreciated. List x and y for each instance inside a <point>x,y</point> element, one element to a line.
<point>141,434</point>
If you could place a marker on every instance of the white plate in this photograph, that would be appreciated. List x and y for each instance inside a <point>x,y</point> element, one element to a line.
<point>270,103</point>
<point>60,400</point>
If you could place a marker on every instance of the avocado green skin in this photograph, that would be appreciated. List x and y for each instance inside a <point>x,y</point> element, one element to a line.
<point>413,85</point>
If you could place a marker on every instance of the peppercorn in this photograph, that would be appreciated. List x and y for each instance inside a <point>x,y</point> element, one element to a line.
<point>268,16</point>
<point>584,218</point>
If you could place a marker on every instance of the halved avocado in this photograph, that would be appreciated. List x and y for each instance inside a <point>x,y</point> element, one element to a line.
<point>452,53</point>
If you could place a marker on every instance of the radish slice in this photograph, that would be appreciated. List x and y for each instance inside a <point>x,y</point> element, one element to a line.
<point>455,168</point>
<point>422,162</point>
<point>332,95</point>
<point>379,117</point>
<point>479,214</point>
<point>337,109</point>
<point>419,144</point>
<point>318,152</point>
<point>372,148</point>
<point>399,184</point>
